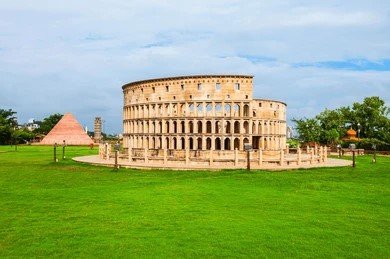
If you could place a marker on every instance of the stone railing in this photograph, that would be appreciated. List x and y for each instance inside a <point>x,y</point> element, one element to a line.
<point>227,157</point>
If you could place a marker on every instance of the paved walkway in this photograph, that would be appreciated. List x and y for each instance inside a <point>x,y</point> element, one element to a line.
<point>96,160</point>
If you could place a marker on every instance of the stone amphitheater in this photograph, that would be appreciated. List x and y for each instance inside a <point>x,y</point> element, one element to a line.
<point>204,122</point>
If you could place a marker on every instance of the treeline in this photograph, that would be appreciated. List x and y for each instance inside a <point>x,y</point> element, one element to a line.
<point>13,133</point>
<point>369,119</point>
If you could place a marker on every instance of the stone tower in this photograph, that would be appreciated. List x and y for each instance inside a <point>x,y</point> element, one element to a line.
<point>97,130</point>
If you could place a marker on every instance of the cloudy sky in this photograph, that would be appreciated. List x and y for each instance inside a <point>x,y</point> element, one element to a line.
<point>59,56</point>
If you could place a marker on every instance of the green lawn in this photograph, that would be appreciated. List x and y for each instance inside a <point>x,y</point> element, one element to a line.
<point>68,209</point>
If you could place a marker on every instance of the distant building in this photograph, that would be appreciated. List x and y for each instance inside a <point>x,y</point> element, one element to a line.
<point>97,130</point>
<point>289,132</point>
<point>32,124</point>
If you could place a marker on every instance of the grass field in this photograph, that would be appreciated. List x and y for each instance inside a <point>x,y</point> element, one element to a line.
<point>74,210</point>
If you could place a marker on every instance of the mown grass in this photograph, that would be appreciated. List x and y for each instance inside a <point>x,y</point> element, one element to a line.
<point>67,209</point>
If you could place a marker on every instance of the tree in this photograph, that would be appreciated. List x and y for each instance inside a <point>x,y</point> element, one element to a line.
<point>369,118</point>
<point>48,123</point>
<point>332,123</point>
<point>309,130</point>
<point>8,123</point>
<point>22,136</point>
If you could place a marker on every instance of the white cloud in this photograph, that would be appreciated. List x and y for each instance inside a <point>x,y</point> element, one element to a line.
<point>75,55</point>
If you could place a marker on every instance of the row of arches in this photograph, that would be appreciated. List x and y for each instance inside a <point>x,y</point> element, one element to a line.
<point>187,109</point>
<point>203,126</point>
<point>193,143</point>
<point>202,143</point>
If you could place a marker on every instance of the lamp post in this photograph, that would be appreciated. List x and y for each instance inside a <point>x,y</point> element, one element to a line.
<point>63,149</point>
<point>358,125</point>
<point>55,152</point>
<point>117,147</point>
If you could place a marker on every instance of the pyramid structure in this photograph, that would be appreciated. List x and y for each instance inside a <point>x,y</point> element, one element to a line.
<point>68,129</point>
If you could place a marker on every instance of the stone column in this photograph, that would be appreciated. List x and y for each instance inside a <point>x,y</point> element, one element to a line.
<point>165,156</point>
<point>299,156</point>
<point>312,156</point>
<point>325,153</point>
<point>236,157</point>
<point>187,156</point>
<point>281,157</point>
<point>211,157</point>
<point>146,155</point>
<point>130,154</point>
<point>108,149</point>
<point>260,156</point>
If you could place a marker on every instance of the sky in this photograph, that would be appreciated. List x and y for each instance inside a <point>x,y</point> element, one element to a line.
<point>74,56</point>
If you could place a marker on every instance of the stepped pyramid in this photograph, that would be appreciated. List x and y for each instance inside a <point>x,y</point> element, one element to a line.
<point>68,129</point>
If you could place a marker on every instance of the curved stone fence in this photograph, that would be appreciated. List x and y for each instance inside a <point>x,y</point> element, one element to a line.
<point>224,158</point>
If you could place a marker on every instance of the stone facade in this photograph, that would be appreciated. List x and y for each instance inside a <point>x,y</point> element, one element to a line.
<point>201,113</point>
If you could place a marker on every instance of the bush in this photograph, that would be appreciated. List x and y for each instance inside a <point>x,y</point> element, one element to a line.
<point>368,142</point>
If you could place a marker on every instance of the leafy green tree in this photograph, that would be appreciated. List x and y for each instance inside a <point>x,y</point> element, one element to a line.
<point>21,136</point>
<point>369,118</point>
<point>309,130</point>
<point>48,123</point>
<point>8,123</point>
<point>332,126</point>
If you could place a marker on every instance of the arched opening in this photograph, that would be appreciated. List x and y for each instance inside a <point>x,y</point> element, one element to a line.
<point>191,125</point>
<point>147,127</point>
<point>146,143</point>
<point>199,127</point>
<point>246,127</point>
<point>236,109</point>
<point>217,144</point>
<point>153,146</point>
<point>174,144</point>
<point>160,127</point>
<point>191,143</point>
<point>174,127</point>
<point>218,107</point>
<point>183,143</point>
<point>227,109</point>
<point>167,143</point>
<point>160,143</point>
<point>208,127</point>
<point>199,143</point>
<point>208,143</point>
<point>228,126</point>
<point>183,127</point>
<point>199,108</point>
<point>208,107</point>
<point>217,127</point>
<point>254,128</point>
<point>237,127</point>
<point>260,128</point>
<point>246,110</point>
<point>236,143</point>
<point>167,126</point>
<point>246,140</point>
<point>227,144</point>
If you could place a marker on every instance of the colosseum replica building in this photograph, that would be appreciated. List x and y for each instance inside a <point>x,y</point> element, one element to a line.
<point>206,120</point>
